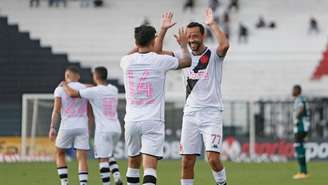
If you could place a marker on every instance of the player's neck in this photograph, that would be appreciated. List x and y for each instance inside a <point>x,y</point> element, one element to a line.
<point>200,51</point>
<point>144,50</point>
<point>101,83</point>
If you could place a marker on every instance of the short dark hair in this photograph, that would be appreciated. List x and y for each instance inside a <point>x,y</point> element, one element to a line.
<point>299,88</point>
<point>196,24</point>
<point>101,72</point>
<point>144,35</point>
<point>73,69</point>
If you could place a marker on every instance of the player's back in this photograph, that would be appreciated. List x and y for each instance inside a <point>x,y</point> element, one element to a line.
<point>104,99</point>
<point>73,110</point>
<point>144,81</point>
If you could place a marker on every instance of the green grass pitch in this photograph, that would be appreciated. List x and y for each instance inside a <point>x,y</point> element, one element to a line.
<point>169,171</point>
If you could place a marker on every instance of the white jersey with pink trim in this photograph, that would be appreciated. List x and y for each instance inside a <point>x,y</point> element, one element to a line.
<point>103,99</point>
<point>144,81</point>
<point>74,110</point>
<point>203,81</point>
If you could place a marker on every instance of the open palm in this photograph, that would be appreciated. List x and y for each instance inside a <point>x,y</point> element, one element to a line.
<point>167,21</point>
<point>209,16</point>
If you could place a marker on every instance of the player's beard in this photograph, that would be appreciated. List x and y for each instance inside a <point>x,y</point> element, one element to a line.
<point>195,45</point>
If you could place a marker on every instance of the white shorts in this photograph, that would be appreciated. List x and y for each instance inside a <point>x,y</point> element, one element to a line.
<point>146,137</point>
<point>73,138</point>
<point>199,127</point>
<point>105,143</point>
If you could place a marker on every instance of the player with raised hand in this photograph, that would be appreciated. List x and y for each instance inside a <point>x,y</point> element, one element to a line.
<point>73,131</point>
<point>203,111</point>
<point>103,99</point>
<point>144,80</point>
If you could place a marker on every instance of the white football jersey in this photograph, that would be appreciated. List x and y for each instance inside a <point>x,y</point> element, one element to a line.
<point>203,81</point>
<point>144,81</point>
<point>74,110</point>
<point>103,100</point>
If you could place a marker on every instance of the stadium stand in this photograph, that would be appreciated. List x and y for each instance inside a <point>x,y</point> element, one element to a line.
<point>27,67</point>
<point>266,65</point>
<point>322,69</point>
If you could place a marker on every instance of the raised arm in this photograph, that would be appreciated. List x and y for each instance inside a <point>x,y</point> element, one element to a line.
<point>218,34</point>
<point>166,23</point>
<point>70,91</point>
<point>54,118</point>
<point>182,39</point>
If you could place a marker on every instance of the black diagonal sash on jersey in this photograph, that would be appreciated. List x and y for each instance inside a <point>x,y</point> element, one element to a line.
<point>202,64</point>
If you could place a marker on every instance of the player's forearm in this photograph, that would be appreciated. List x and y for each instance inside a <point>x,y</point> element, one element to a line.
<point>133,50</point>
<point>54,119</point>
<point>71,92</point>
<point>220,37</point>
<point>185,60</point>
<point>159,40</point>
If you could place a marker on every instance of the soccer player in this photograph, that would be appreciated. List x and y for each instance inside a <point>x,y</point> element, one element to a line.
<point>203,111</point>
<point>144,81</point>
<point>301,128</point>
<point>103,99</point>
<point>73,131</point>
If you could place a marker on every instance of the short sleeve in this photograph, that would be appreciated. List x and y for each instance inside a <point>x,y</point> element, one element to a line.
<point>87,93</point>
<point>123,62</point>
<point>168,62</point>
<point>177,54</point>
<point>58,92</point>
<point>217,57</point>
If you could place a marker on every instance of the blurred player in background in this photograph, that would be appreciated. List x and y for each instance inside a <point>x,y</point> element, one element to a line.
<point>301,128</point>
<point>203,111</point>
<point>103,99</point>
<point>73,131</point>
<point>144,80</point>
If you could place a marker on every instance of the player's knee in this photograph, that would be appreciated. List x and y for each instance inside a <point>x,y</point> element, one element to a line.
<point>214,159</point>
<point>188,162</point>
<point>60,153</point>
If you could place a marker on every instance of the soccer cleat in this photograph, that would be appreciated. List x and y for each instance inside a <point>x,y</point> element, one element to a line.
<point>300,176</point>
<point>119,182</point>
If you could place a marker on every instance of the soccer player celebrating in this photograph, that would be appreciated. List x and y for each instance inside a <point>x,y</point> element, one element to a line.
<point>73,131</point>
<point>301,129</point>
<point>203,111</point>
<point>144,81</point>
<point>103,99</point>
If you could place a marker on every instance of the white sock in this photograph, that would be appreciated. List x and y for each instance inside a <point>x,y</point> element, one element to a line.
<point>187,181</point>
<point>104,173</point>
<point>133,176</point>
<point>83,177</point>
<point>63,175</point>
<point>114,168</point>
<point>220,177</point>
<point>149,176</point>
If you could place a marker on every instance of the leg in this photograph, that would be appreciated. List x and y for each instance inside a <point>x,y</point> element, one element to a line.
<point>190,147</point>
<point>114,168</point>
<point>218,170</point>
<point>187,169</point>
<point>212,136</point>
<point>104,171</point>
<point>61,166</point>
<point>132,174</point>
<point>133,142</point>
<point>300,151</point>
<point>150,167</point>
<point>82,157</point>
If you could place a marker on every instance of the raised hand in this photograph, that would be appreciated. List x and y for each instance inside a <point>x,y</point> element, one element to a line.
<point>167,21</point>
<point>182,38</point>
<point>209,16</point>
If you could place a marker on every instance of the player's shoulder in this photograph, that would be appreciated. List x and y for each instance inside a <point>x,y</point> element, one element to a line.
<point>113,88</point>
<point>77,85</point>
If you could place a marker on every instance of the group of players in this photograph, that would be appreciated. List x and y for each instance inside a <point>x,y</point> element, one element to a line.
<point>144,71</point>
